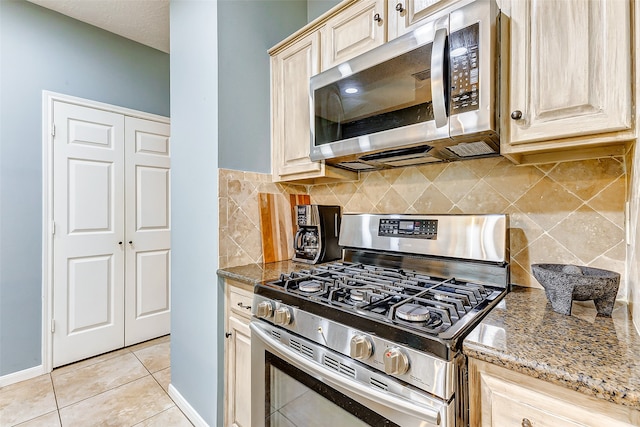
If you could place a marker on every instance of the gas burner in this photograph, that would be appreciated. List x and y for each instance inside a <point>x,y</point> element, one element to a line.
<point>310,286</point>
<point>357,295</point>
<point>413,312</point>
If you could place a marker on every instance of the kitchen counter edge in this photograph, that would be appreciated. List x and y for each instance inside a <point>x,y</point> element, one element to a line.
<point>253,274</point>
<point>597,356</point>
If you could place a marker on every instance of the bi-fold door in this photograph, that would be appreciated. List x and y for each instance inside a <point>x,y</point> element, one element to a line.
<point>111,220</point>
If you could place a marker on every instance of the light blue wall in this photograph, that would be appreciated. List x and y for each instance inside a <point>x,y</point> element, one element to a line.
<point>196,300</point>
<point>315,8</point>
<point>41,49</point>
<point>246,30</point>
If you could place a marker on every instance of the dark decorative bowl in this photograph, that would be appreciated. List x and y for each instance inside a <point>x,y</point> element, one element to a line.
<point>564,283</point>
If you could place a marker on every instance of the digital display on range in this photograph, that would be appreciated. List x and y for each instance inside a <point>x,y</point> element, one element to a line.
<point>406,225</point>
<point>419,228</point>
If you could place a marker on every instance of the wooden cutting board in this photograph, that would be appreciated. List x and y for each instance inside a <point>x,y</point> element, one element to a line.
<point>278,224</point>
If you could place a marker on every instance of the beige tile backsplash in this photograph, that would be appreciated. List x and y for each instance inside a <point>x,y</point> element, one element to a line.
<point>571,212</point>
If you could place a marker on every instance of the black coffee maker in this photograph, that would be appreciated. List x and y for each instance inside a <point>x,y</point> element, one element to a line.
<point>317,237</point>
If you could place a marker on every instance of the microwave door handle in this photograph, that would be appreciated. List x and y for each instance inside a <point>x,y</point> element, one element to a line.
<point>438,57</point>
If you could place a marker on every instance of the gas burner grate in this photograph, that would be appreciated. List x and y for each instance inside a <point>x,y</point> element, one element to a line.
<point>379,292</point>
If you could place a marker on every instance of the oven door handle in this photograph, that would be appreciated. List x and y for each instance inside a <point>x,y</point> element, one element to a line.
<point>425,413</point>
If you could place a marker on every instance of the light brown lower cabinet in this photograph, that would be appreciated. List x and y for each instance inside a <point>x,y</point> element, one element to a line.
<point>500,397</point>
<point>237,354</point>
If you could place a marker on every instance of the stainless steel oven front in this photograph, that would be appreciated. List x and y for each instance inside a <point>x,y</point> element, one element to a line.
<point>297,382</point>
<point>376,338</point>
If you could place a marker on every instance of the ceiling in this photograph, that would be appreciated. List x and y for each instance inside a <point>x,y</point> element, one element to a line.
<point>144,21</point>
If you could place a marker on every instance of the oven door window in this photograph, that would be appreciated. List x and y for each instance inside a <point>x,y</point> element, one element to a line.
<point>295,399</point>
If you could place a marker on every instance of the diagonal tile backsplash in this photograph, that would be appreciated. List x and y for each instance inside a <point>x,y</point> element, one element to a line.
<point>571,212</point>
<point>239,227</point>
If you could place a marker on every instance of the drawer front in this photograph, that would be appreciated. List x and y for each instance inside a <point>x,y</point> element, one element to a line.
<point>505,398</point>
<point>240,302</point>
<point>506,411</point>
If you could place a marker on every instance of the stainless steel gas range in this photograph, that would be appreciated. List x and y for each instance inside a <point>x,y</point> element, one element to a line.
<point>375,339</point>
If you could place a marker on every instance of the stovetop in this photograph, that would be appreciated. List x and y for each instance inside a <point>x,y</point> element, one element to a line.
<point>428,314</point>
<point>422,281</point>
<point>414,300</point>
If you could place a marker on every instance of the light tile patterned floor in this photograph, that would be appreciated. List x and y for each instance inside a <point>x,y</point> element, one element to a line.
<point>124,388</point>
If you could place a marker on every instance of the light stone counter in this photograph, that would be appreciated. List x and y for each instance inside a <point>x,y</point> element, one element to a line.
<point>252,274</point>
<point>597,356</point>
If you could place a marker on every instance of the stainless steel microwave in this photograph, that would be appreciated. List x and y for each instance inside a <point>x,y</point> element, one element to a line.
<point>427,96</point>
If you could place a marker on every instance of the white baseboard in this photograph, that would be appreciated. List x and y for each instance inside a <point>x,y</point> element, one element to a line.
<point>185,407</point>
<point>23,375</point>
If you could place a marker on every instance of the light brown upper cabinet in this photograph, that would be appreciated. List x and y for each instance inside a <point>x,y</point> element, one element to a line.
<point>406,15</point>
<point>356,30</point>
<point>370,23</point>
<point>291,69</point>
<point>567,94</point>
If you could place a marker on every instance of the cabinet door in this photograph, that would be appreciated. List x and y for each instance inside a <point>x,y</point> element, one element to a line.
<point>406,15</point>
<point>291,70</point>
<point>237,355</point>
<point>356,30</point>
<point>570,69</point>
<point>499,397</point>
<point>239,374</point>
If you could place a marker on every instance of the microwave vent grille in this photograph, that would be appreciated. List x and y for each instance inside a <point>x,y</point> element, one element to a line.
<point>471,149</point>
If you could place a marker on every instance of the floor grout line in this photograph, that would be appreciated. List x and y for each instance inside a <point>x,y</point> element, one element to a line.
<point>127,351</point>
<point>105,391</point>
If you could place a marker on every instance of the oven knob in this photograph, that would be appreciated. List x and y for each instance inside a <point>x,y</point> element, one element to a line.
<point>282,316</point>
<point>395,361</point>
<point>264,310</point>
<point>361,347</point>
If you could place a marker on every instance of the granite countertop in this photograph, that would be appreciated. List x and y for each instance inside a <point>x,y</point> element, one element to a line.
<point>256,273</point>
<point>598,356</point>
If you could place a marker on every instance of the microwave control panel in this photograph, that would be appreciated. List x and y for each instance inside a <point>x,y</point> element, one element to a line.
<point>465,69</point>
<point>420,228</point>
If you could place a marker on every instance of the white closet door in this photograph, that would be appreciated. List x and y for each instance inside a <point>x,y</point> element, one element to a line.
<point>88,276</point>
<point>148,224</point>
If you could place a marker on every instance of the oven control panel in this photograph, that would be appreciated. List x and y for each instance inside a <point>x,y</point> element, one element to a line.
<point>412,228</point>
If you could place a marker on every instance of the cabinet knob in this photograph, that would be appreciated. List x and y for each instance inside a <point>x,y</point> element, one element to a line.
<point>241,305</point>
<point>120,243</point>
<point>377,17</point>
<point>399,7</point>
<point>228,334</point>
<point>516,115</point>
<point>526,423</point>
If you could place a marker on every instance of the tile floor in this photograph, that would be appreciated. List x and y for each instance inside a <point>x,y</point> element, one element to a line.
<point>124,388</point>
